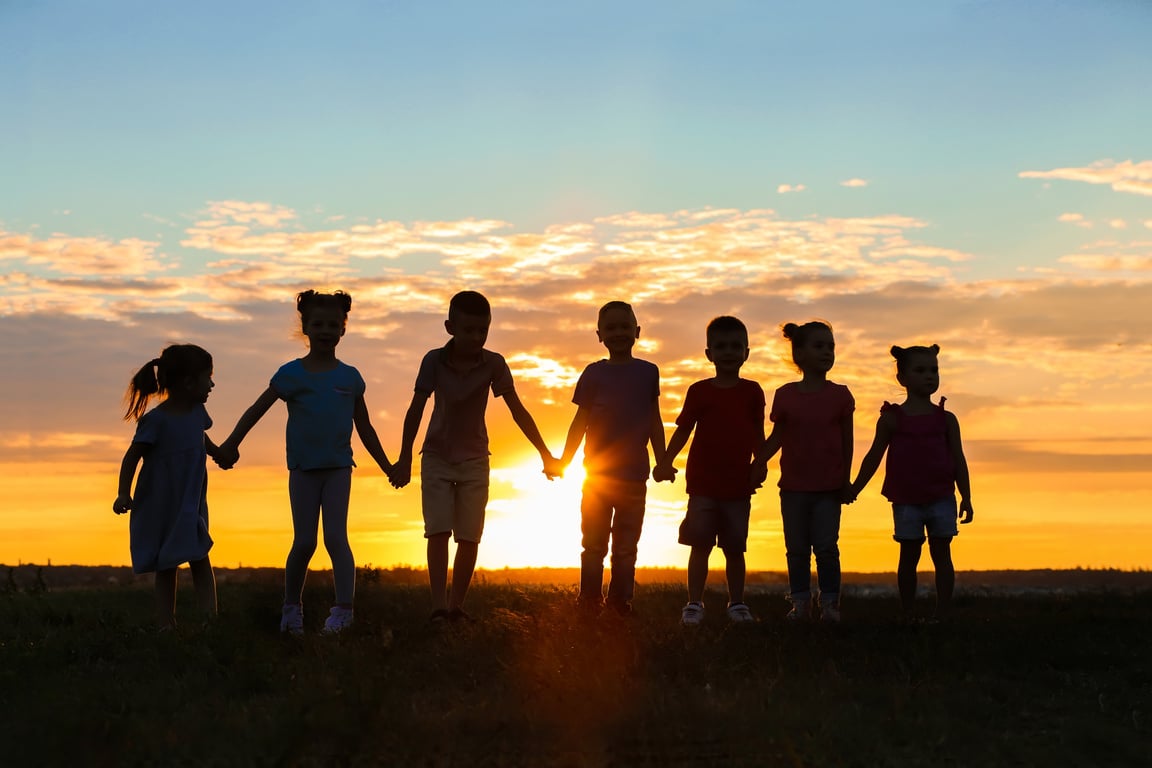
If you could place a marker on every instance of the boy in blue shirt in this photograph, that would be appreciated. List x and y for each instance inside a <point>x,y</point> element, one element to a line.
<point>619,414</point>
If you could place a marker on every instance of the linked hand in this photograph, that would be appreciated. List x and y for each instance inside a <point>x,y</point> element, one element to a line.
<point>226,457</point>
<point>553,467</point>
<point>122,504</point>
<point>401,473</point>
<point>662,472</point>
<point>849,494</point>
<point>758,473</point>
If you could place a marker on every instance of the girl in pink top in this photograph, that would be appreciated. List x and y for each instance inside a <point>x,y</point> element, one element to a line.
<point>812,429</point>
<point>925,466</point>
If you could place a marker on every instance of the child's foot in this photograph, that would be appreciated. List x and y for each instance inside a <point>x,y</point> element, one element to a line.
<point>439,617</point>
<point>339,619</point>
<point>589,607</point>
<point>459,616</point>
<point>292,619</point>
<point>619,607</point>
<point>830,613</point>
<point>740,613</point>
<point>692,614</point>
<point>801,611</point>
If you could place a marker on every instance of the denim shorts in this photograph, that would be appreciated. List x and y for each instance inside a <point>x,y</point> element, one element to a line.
<point>711,522</point>
<point>454,496</point>
<point>938,518</point>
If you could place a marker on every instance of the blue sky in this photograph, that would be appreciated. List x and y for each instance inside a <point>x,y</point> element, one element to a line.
<point>977,174</point>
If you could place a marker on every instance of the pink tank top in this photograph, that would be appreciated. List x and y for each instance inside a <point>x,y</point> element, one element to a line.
<point>919,468</point>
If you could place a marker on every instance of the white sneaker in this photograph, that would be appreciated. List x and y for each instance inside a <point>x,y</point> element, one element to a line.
<point>801,611</point>
<point>692,614</point>
<point>740,613</point>
<point>292,619</point>
<point>830,613</point>
<point>339,619</point>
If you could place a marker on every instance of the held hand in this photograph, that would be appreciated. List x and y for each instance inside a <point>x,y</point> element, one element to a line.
<point>662,472</point>
<point>226,456</point>
<point>758,473</point>
<point>965,512</point>
<point>849,494</point>
<point>553,467</point>
<point>122,504</point>
<point>401,473</point>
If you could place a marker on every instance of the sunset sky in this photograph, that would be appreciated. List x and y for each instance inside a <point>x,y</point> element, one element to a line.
<point>972,174</point>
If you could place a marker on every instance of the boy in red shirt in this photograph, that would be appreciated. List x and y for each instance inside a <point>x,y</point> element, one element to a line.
<point>728,415</point>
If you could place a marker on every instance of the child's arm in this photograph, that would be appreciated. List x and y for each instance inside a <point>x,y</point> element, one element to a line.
<point>871,461</point>
<point>229,450</point>
<point>656,437</point>
<point>368,436</point>
<point>764,454</point>
<point>962,483</point>
<point>846,442</point>
<point>664,469</point>
<point>128,466</point>
<point>576,433</point>
<point>402,469</point>
<point>213,452</point>
<point>527,424</point>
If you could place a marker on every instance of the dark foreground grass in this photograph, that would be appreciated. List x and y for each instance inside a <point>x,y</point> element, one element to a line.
<point>1037,680</point>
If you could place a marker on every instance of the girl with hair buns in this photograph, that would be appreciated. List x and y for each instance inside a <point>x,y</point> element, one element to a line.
<point>925,467</point>
<point>325,399</point>
<point>812,429</point>
<point>169,522</point>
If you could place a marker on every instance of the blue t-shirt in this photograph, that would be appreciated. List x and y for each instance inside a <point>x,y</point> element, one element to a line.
<point>620,398</point>
<point>320,408</point>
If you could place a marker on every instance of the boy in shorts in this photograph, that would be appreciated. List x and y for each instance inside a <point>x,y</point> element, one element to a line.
<point>454,460</point>
<point>618,411</point>
<point>728,415</point>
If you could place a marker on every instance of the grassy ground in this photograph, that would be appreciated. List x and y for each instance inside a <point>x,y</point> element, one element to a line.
<point>1036,680</point>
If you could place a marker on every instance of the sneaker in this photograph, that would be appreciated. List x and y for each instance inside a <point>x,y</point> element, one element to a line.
<point>830,613</point>
<point>801,611</point>
<point>292,619</point>
<point>619,607</point>
<point>339,619</point>
<point>692,614</point>
<point>740,613</point>
<point>439,617</point>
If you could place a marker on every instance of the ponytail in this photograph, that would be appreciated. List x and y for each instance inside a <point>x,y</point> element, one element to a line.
<point>176,363</point>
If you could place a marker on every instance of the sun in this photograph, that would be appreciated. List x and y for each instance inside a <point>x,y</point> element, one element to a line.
<point>533,522</point>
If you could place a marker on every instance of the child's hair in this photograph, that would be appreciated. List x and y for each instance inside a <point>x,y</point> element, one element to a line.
<point>469,303</point>
<point>306,301</point>
<point>904,354</point>
<point>615,305</point>
<point>726,324</point>
<point>798,334</point>
<point>176,363</point>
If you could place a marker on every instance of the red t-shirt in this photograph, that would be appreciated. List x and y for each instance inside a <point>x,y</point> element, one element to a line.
<point>919,468</point>
<point>812,448</point>
<point>729,423</point>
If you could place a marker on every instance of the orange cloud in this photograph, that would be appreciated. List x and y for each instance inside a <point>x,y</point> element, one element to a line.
<point>1125,176</point>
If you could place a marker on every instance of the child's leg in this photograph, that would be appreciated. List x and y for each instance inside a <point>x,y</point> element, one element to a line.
<point>304,496</point>
<point>697,573</point>
<point>204,581</point>
<point>797,544</point>
<point>941,552</point>
<point>166,598</point>
<point>734,570</point>
<point>627,523</point>
<point>595,529</point>
<point>438,570</point>
<point>906,573</point>
<point>334,495</point>
<point>463,565</point>
<point>825,532</point>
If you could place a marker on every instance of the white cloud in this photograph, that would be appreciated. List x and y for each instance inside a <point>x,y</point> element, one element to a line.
<point>1125,176</point>
<point>786,188</point>
<point>854,183</point>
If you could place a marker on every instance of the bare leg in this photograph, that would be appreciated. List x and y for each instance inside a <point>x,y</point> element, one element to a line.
<point>906,573</point>
<point>166,599</point>
<point>438,569</point>
<point>734,570</point>
<point>697,573</point>
<point>204,580</point>
<point>941,552</point>
<point>463,565</point>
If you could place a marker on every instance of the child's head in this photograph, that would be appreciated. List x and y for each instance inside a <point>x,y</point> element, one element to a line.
<point>183,368</point>
<point>727,343</point>
<point>813,346</point>
<point>323,318</point>
<point>616,327</point>
<point>918,368</point>
<point>469,317</point>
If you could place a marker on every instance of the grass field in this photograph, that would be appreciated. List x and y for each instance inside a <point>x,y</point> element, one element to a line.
<point>1039,679</point>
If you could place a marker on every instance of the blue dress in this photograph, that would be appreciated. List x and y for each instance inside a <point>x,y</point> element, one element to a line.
<point>169,522</point>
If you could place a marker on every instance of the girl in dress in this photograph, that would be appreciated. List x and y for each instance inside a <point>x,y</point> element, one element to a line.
<point>169,521</point>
